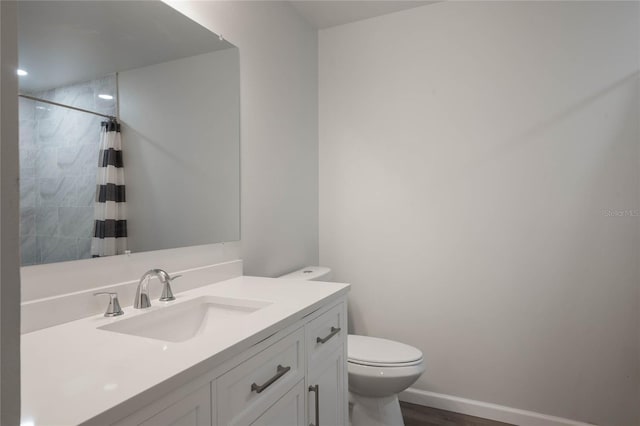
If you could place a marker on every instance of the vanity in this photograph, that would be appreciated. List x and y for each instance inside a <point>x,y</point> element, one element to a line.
<point>243,351</point>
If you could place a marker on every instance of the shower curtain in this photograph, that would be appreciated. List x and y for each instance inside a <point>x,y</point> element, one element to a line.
<point>110,224</point>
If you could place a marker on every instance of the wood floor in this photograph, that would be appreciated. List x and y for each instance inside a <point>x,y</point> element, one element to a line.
<point>418,415</point>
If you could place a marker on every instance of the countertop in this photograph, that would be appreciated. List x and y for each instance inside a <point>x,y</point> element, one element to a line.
<point>73,372</point>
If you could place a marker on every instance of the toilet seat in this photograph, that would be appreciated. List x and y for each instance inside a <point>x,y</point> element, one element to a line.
<point>386,365</point>
<point>377,352</point>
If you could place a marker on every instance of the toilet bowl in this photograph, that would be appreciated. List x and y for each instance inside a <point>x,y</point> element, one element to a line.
<point>378,370</point>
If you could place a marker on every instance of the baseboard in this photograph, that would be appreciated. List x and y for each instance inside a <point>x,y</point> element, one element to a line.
<point>485,410</point>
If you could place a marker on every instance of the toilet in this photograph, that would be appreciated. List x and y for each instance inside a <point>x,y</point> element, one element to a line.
<point>378,369</point>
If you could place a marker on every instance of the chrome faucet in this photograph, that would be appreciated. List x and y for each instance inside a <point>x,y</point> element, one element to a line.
<point>142,300</point>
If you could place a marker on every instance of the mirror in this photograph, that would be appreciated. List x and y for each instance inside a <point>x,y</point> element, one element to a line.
<point>174,88</point>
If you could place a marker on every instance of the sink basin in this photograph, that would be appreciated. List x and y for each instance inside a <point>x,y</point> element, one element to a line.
<point>183,321</point>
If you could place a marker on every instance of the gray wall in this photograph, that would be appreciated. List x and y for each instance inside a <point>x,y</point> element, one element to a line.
<point>472,158</point>
<point>279,115</point>
<point>9,237</point>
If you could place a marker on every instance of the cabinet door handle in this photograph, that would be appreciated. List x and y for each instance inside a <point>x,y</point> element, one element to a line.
<point>316,389</point>
<point>334,331</point>
<point>280,371</point>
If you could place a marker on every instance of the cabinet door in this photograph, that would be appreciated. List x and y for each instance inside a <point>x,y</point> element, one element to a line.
<point>326,333</point>
<point>194,410</point>
<point>326,397</point>
<point>287,411</point>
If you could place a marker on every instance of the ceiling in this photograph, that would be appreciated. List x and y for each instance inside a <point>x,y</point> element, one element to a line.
<point>64,42</point>
<point>329,13</point>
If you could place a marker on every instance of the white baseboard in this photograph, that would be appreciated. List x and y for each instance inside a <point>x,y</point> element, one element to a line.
<point>483,409</point>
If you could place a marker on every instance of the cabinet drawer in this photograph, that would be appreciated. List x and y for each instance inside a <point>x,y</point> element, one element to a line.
<point>247,390</point>
<point>326,333</point>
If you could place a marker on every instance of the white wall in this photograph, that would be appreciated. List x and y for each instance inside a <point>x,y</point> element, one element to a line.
<point>9,238</point>
<point>279,122</point>
<point>183,159</point>
<point>468,151</point>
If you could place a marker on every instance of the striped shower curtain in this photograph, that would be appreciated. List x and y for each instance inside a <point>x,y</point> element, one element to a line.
<point>110,225</point>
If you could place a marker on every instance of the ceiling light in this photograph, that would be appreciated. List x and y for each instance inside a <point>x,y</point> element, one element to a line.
<point>105,96</point>
<point>22,73</point>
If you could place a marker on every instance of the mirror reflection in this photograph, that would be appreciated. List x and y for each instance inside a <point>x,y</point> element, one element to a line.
<point>129,131</point>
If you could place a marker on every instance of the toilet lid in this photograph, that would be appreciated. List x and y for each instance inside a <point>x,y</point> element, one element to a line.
<point>373,350</point>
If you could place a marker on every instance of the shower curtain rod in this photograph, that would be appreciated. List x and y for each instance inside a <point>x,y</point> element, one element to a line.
<point>33,98</point>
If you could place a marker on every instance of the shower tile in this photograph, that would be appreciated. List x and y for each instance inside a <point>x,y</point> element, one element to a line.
<point>47,221</point>
<point>87,159</point>
<point>106,85</point>
<point>47,162</point>
<point>78,159</point>
<point>28,250</point>
<point>28,161</point>
<point>26,109</point>
<point>70,126</point>
<point>84,248</point>
<point>86,187</point>
<point>78,95</point>
<point>27,134</point>
<point>57,192</point>
<point>56,249</point>
<point>46,94</point>
<point>28,172</point>
<point>67,159</point>
<point>59,127</point>
<point>75,221</point>
<point>28,192</point>
<point>84,129</point>
<point>48,130</point>
<point>27,220</point>
<point>42,110</point>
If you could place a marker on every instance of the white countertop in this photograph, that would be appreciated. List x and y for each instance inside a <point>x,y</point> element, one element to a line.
<point>73,372</point>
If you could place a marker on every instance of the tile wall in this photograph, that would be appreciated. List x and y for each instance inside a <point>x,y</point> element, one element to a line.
<point>58,163</point>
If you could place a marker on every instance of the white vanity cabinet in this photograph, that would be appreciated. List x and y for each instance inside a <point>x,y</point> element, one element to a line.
<point>296,377</point>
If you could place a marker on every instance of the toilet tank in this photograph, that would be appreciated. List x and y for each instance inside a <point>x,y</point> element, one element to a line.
<point>310,273</point>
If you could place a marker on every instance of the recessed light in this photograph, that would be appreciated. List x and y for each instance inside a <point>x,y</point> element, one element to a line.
<point>105,96</point>
<point>21,73</point>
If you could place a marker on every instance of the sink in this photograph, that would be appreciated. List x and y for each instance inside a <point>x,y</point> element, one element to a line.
<point>182,321</point>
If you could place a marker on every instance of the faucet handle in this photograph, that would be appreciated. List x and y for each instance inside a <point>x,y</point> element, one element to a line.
<point>167,294</point>
<point>113,309</point>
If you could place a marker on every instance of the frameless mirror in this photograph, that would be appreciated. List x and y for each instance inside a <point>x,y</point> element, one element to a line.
<point>173,87</point>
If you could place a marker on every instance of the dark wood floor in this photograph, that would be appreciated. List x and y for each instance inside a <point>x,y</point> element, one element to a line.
<point>417,415</point>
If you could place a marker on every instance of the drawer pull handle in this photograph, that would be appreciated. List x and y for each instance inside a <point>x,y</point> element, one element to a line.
<point>281,371</point>
<point>334,331</point>
<point>316,390</point>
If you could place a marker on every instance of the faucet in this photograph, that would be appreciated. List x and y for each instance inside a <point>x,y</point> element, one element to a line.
<point>142,293</point>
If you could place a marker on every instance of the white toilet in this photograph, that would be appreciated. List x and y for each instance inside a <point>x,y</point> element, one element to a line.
<point>378,369</point>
